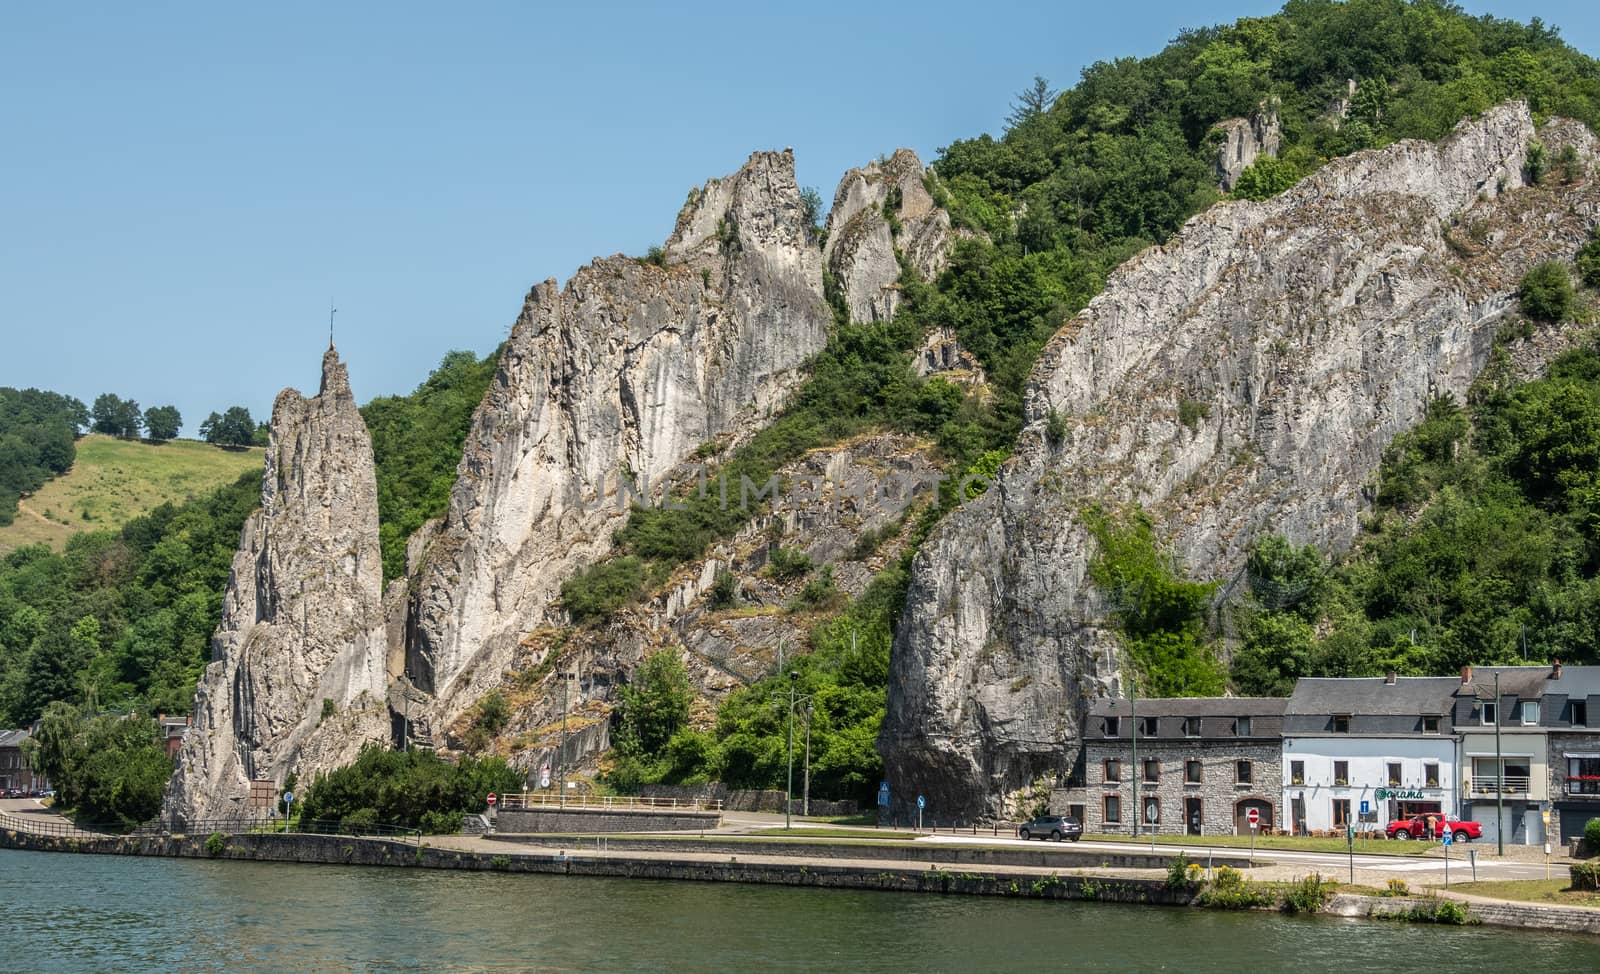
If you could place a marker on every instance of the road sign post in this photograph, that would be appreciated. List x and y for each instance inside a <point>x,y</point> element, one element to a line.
<point>288,809</point>
<point>920,804</point>
<point>491,799</point>
<point>1449,840</point>
<point>1350,847</point>
<point>1254,817</point>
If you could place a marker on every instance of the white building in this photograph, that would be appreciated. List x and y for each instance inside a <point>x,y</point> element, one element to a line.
<point>1383,741</point>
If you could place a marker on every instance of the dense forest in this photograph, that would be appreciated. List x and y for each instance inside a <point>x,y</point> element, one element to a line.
<point>37,434</point>
<point>1079,181</point>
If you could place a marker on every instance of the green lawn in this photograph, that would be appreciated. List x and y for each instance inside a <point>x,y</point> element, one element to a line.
<point>113,481</point>
<point>1554,892</point>
<point>1366,847</point>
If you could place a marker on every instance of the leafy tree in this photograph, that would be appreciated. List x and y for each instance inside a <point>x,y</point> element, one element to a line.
<point>115,416</point>
<point>1267,176</point>
<point>232,428</point>
<point>1589,260</point>
<point>1032,102</point>
<point>407,788</point>
<point>162,422</point>
<point>1546,293</point>
<point>655,706</point>
<point>109,769</point>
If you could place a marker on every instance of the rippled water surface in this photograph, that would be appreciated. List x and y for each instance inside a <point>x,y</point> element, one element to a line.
<point>104,913</point>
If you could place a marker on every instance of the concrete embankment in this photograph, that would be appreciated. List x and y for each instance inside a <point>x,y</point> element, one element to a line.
<point>1034,857</point>
<point>1499,913</point>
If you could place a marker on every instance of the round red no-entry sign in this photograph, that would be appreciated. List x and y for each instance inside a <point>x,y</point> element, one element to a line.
<point>1253,814</point>
<point>491,801</point>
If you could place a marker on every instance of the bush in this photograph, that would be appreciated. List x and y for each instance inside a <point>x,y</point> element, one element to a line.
<point>786,564</point>
<point>1591,837</point>
<point>1546,293</point>
<point>1589,260</point>
<point>1055,428</point>
<point>358,821</point>
<point>1230,891</point>
<point>1268,176</point>
<point>492,712</point>
<point>603,588</point>
<point>216,844</point>
<point>1192,411</point>
<point>724,590</point>
<point>403,787</point>
<point>440,823</point>
<point>818,593</point>
<point>1178,871</point>
<point>1308,895</point>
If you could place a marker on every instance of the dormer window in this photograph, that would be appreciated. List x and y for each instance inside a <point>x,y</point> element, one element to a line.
<point>1241,727</point>
<point>1430,724</point>
<point>1149,726</point>
<point>1530,711</point>
<point>1490,713</point>
<point>1191,727</point>
<point>1110,726</point>
<point>1341,723</point>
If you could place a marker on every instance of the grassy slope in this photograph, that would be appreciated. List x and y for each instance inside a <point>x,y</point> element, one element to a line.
<point>114,481</point>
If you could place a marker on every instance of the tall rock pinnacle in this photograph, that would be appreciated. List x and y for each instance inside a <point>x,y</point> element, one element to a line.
<point>606,384</point>
<point>302,624</point>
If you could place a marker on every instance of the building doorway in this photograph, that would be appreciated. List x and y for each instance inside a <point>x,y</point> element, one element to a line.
<point>1241,815</point>
<point>1192,815</point>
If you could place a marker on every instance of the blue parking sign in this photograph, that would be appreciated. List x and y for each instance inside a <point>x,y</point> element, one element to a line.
<point>1366,807</point>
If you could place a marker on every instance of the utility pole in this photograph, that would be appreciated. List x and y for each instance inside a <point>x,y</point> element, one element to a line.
<point>1500,772</point>
<point>805,801</point>
<point>788,794</point>
<point>561,755</point>
<point>1133,715</point>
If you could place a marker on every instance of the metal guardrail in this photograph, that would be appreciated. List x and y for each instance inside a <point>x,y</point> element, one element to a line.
<point>53,826</point>
<point>539,799</point>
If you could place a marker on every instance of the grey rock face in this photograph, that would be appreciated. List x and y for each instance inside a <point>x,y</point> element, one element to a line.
<point>1313,328</point>
<point>615,379</point>
<point>860,252</point>
<point>1244,140</point>
<point>302,618</point>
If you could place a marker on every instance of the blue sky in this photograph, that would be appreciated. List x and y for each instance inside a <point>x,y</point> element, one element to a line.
<point>184,186</point>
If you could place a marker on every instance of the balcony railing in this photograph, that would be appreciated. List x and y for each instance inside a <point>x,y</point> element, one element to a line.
<point>1515,785</point>
<point>538,799</point>
<point>1583,787</point>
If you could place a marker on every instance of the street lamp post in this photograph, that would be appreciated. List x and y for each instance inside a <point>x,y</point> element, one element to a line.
<point>1133,716</point>
<point>1500,772</point>
<point>788,794</point>
<point>805,788</point>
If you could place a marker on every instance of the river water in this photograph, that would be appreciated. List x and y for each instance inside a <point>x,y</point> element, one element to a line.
<point>110,913</point>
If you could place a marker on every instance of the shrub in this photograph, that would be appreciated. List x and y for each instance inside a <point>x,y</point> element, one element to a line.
<point>1591,836</point>
<point>1308,895</point>
<point>216,845</point>
<point>440,823</point>
<point>402,787</point>
<point>1268,176</point>
<point>1546,293</point>
<point>1538,162</point>
<point>724,590</point>
<point>358,820</point>
<point>1230,891</point>
<point>328,709</point>
<point>1585,875</point>
<point>1178,871</point>
<point>786,564</point>
<point>1452,912</point>
<point>1397,887</point>
<point>818,593</point>
<point>1192,411</point>
<point>603,588</point>
<point>493,713</point>
<point>1589,260</point>
<point>1055,428</point>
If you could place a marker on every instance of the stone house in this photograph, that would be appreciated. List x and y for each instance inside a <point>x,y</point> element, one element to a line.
<point>1203,763</point>
<point>1571,711</point>
<point>15,772</point>
<point>1385,742</point>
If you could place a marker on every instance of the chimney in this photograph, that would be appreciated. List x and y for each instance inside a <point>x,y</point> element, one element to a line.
<point>1466,674</point>
<point>1388,678</point>
<point>1555,669</point>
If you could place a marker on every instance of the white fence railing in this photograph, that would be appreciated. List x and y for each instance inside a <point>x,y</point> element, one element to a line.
<point>1490,784</point>
<point>542,799</point>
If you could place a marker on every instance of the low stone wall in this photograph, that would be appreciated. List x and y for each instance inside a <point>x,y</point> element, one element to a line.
<point>603,820</point>
<point>744,800</point>
<point>381,852</point>
<point>1529,916</point>
<point>1043,856</point>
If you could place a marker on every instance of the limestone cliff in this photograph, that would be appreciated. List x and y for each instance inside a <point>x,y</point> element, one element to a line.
<point>612,381</point>
<point>302,623</point>
<point>1241,141</point>
<point>881,214</point>
<point>1304,333</point>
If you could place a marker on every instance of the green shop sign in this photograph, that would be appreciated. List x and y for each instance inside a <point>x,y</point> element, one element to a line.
<point>1403,794</point>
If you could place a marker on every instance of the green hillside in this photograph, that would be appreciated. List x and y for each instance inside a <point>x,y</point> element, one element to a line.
<point>113,481</point>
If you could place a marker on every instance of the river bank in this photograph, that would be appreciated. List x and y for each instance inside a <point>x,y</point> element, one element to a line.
<point>966,871</point>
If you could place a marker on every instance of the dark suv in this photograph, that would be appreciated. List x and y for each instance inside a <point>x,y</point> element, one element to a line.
<point>1055,827</point>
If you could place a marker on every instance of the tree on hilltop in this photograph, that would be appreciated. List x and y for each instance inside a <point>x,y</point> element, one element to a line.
<point>162,422</point>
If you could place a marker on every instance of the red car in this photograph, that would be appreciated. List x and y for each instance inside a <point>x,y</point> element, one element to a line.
<point>1416,827</point>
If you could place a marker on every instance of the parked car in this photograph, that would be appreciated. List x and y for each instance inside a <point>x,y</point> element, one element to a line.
<point>1056,827</point>
<point>1416,827</point>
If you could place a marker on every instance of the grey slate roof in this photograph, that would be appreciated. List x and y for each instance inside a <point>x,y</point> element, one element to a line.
<point>1408,696</point>
<point>1190,707</point>
<point>13,738</point>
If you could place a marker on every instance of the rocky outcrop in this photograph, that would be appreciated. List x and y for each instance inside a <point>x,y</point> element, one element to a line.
<point>298,673</point>
<point>837,496</point>
<point>1241,141</point>
<point>1297,336</point>
<point>609,384</point>
<point>881,213</point>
